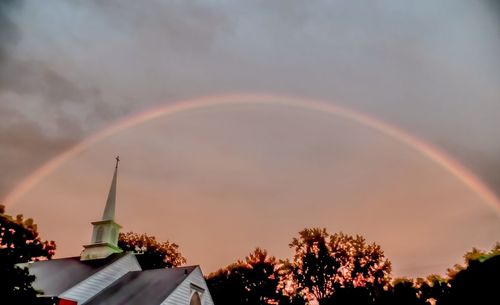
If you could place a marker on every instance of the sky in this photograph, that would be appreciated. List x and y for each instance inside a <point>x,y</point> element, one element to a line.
<point>71,68</point>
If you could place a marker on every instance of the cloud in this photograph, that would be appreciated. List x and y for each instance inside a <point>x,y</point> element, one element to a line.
<point>8,30</point>
<point>24,147</point>
<point>70,68</point>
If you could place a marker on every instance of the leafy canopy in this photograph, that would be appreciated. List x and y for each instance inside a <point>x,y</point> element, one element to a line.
<point>152,253</point>
<point>324,264</point>
<point>20,243</point>
<point>253,281</point>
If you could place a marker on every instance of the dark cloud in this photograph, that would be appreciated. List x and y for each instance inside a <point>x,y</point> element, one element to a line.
<point>24,147</point>
<point>50,100</point>
<point>35,78</point>
<point>24,143</point>
<point>8,30</point>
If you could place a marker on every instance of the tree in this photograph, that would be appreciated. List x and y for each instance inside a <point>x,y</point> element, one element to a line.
<point>477,282</point>
<point>435,288</point>
<point>253,281</point>
<point>324,264</point>
<point>152,253</point>
<point>226,285</point>
<point>313,271</point>
<point>20,243</point>
<point>404,291</point>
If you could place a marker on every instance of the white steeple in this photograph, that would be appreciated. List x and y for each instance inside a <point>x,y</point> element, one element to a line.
<point>104,240</point>
<point>109,210</point>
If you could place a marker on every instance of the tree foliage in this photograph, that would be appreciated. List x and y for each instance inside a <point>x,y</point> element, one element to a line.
<point>475,282</point>
<point>434,288</point>
<point>404,291</point>
<point>152,253</point>
<point>253,281</point>
<point>20,243</point>
<point>478,281</point>
<point>325,264</point>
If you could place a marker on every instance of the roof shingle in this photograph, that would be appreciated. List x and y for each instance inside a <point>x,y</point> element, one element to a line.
<point>142,287</point>
<point>55,276</point>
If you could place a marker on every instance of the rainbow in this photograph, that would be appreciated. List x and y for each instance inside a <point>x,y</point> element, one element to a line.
<point>434,154</point>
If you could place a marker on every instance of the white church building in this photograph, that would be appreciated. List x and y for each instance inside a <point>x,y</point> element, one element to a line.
<point>105,275</point>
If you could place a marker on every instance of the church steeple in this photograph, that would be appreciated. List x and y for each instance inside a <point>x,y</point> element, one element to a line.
<point>104,240</point>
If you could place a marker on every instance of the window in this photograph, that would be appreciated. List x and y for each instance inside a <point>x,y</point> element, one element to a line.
<point>195,299</point>
<point>114,235</point>
<point>99,234</point>
<point>196,294</point>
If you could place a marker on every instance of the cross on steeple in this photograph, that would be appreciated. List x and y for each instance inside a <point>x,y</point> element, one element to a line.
<point>117,160</point>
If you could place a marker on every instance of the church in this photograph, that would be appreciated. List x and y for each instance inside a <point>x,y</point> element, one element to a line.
<point>105,275</point>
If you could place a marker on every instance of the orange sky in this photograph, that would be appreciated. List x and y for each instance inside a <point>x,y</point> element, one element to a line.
<point>223,180</point>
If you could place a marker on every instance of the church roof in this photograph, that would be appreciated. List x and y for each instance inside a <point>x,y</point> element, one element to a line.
<point>140,287</point>
<point>55,276</point>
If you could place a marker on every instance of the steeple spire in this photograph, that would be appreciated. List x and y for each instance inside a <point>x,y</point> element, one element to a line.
<point>109,210</point>
<point>104,240</point>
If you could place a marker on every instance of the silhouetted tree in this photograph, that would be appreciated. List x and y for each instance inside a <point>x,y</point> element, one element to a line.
<point>434,289</point>
<point>478,282</point>
<point>152,254</point>
<point>350,296</point>
<point>324,264</point>
<point>20,243</point>
<point>403,292</point>
<point>253,281</point>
